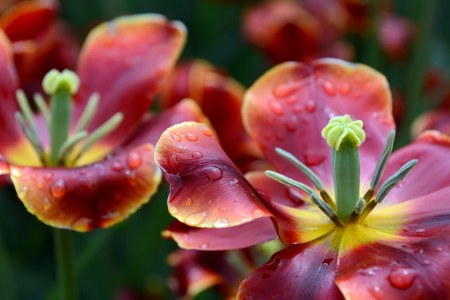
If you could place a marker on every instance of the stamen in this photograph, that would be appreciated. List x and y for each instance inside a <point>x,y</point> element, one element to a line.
<point>88,113</point>
<point>69,144</point>
<point>288,181</point>
<point>27,112</point>
<point>43,109</point>
<point>359,209</point>
<point>30,136</point>
<point>326,209</point>
<point>308,173</point>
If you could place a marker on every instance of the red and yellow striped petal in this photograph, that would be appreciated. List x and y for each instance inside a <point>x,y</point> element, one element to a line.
<point>126,60</point>
<point>298,272</point>
<point>206,188</point>
<point>245,235</point>
<point>290,105</point>
<point>91,196</point>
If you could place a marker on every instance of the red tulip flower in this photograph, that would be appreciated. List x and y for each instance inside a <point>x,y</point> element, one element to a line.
<point>360,229</point>
<point>85,161</point>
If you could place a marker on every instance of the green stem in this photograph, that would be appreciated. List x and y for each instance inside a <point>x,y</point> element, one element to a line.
<point>65,267</point>
<point>59,132</point>
<point>346,178</point>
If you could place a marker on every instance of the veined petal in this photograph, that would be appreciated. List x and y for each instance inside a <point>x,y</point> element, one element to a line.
<point>206,188</point>
<point>290,105</point>
<point>396,271</point>
<point>245,235</point>
<point>91,196</point>
<point>298,272</point>
<point>126,61</point>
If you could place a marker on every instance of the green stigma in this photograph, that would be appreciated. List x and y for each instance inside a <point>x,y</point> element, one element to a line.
<point>343,128</point>
<point>65,80</point>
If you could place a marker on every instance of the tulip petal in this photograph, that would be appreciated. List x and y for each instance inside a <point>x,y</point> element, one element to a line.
<point>432,120</point>
<point>298,272</point>
<point>237,237</point>
<point>290,105</point>
<point>126,61</point>
<point>91,196</point>
<point>396,271</point>
<point>206,188</point>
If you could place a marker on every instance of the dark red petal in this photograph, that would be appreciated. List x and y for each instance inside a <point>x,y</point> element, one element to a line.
<point>206,188</point>
<point>432,120</point>
<point>126,60</point>
<point>298,272</point>
<point>91,196</point>
<point>150,130</point>
<point>406,271</point>
<point>237,237</point>
<point>290,105</point>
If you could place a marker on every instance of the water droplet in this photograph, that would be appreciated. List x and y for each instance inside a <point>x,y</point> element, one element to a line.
<point>40,184</point>
<point>206,131</point>
<point>58,189</point>
<point>134,159</point>
<point>195,219</point>
<point>204,246</point>
<point>117,166</point>
<point>188,201</point>
<point>257,213</point>
<point>297,108</point>
<point>291,124</point>
<point>329,88</point>
<point>191,137</point>
<point>213,173</point>
<point>234,182</point>
<point>221,222</point>
<point>327,261</point>
<point>377,292</point>
<point>131,177</point>
<point>83,224</point>
<point>276,108</point>
<point>197,154</point>
<point>173,161</point>
<point>438,249</point>
<point>175,137</point>
<point>345,88</point>
<point>83,172</point>
<point>402,278</point>
<point>274,263</point>
<point>22,193</point>
<point>33,176</point>
<point>267,136</point>
<point>426,262</point>
<point>263,194</point>
<point>311,106</point>
<point>285,89</point>
<point>48,176</point>
<point>16,173</point>
<point>173,210</point>
<point>291,100</point>
<point>294,196</point>
<point>368,86</point>
<point>46,204</point>
<point>312,158</point>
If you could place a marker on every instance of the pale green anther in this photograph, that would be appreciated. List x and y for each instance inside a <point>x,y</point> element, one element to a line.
<point>360,205</point>
<point>307,171</point>
<point>30,135</point>
<point>88,113</point>
<point>66,80</point>
<point>382,162</point>
<point>27,112</point>
<point>288,181</point>
<point>343,128</point>
<point>392,181</point>
<point>43,109</point>
<point>102,131</point>
<point>70,143</point>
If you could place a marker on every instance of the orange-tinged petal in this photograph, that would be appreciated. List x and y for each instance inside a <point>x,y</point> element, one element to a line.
<point>245,235</point>
<point>298,272</point>
<point>290,105</point>
<point>126,61</point>
<point>91,196</point>
<point>207,189</point>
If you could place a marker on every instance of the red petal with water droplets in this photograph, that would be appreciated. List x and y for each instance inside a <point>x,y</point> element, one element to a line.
<point>403,271</point>
<point>150,130</point>
<point>298,272</point>
<point>91,196</point>
<point>237,237</point>
<point>126,60</point>
<point>290,105</point>
<point>220,98</point>
<point>206,188</point>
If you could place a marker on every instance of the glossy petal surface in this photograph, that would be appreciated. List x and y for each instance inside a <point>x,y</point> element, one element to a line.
<point>290,105</point>
<point>298,272</point>
<point>207,189</point>
<point>126,60</point>
<point>237,237</point>
<point>98,195</point>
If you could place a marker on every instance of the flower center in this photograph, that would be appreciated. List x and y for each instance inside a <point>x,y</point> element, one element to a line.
<point>65,147</point>
<point>344,136</point>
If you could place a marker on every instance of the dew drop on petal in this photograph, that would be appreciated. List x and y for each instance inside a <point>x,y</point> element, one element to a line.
<point>134,159</point>
<point>311,106</point>
<point>257,213</point>
<point>426,262</point>
<point>191,137</point>
<point>213,173</point>
<point>345,88</point>
<point>221,222</point>
<point>297,108</point>
<point>276,108</point>
<point>206,131</point>
<point>438,249</point>
<point>16,173</point>
<point>204,246</point>
<point>175,137</point>
<point>173,161</point>
<point>377,292</point>
<point>402,278</point>
<point>33,176</point>
<point>197,154</point>
<point>195,219</point>
<point>312,158</point>
<point>291,124</point>
<point>48,176</point>
<point>188,201</point>
<point>263,194</point>
<point>46,204</point>
<point>58,189</point>
<point>131,177</point>
<point>329,88</point>
<point>22,192</point>
<point>274,263</point>
<point>117,166</point>
<point>173,210</point>
<point>40,184</point>
<point>285,89</point>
